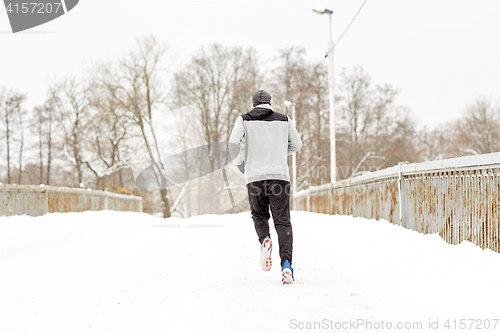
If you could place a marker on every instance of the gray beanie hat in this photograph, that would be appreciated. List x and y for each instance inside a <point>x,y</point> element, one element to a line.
<point>261,97</point>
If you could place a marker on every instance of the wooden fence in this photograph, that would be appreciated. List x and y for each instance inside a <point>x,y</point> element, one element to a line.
<point>38,200</point>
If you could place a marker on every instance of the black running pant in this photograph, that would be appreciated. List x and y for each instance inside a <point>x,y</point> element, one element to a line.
<point>275,195</point>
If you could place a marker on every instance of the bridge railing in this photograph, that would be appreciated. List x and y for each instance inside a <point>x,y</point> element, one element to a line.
<point>457,198</point>
<point>38,200</point>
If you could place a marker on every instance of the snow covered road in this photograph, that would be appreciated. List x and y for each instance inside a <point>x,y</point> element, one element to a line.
<point>129,272</point>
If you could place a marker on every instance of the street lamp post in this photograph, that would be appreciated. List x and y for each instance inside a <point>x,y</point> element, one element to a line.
<point>294,158</point>
<point>331,89</point>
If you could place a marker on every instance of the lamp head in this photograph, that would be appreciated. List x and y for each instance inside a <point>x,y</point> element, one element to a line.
<point>287,103</point>
<point>321,11</point>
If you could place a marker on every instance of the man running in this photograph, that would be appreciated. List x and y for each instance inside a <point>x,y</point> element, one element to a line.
<point>269,137</point>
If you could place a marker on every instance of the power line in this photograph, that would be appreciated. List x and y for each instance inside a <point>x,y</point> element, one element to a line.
<point>350,24</point>
<point>326,55</point>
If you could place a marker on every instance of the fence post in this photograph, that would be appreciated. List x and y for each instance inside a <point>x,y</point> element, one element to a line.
<point>46,200</point>
<point>332,200</point>
<point>400,190</point>
<point>308,203</point>
<point>106,199</point>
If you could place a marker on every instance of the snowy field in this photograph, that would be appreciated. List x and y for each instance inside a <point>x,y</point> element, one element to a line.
<point>130,272</point>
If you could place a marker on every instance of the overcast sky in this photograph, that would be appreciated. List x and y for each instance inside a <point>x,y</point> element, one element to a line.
<point>440,54</point>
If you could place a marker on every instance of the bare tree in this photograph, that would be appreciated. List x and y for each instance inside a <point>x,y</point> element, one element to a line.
<point>372,129</point>
<point>20,115</point>
<point>136,86</point>
<point>431,144</point>
<point>478,131</point>
<point>218,82</point>
<point>49,120</point>
<point>70,100</point>
<point>38,130</point>
<point>402,143</point>
<point>215,87</point>
<point>42,125</point>
<point>305,83</point>
<point>107,134</point>
<point>11,113</point>
<point>475,132</point>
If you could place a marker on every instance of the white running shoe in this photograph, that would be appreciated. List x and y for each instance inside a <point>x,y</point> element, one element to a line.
<point>265,254</point>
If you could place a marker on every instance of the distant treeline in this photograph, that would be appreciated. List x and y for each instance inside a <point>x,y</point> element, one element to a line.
<point>133,111</point>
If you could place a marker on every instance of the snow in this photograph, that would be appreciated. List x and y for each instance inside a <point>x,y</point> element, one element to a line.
<point>131,272</point>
